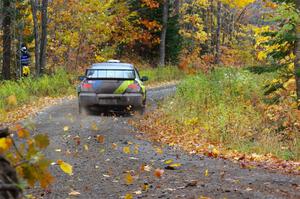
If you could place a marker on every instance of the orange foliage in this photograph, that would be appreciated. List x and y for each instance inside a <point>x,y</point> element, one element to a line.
<point>151,3</point>
<point>191,62</point>
<point>151,25</point>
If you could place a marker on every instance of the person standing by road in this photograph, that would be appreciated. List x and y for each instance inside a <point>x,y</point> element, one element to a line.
<point>25,61</point>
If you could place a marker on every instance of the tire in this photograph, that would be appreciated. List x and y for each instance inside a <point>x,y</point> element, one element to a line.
<point>141,110</point>
<point>81,109</point>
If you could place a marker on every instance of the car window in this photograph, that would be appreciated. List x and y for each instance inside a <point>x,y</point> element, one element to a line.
<point>137,74</point>
<point>110,74</point>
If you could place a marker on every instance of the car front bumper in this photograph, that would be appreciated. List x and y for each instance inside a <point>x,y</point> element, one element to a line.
<point>91,99</point>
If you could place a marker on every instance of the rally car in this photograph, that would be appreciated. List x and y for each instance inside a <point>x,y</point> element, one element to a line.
<point>112,83</point>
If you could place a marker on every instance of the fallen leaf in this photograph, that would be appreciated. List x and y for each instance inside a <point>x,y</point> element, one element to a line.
<point>128,196</point>
<point>77,139</point>
<point>126,149</point>
<point>158,150</point>
<point>128,179</point>
<point>158,172</point>
<point>206,173</point>
<point>66,128</point>
<point>86,147</point>
<point>173,166</point>
<point>102,150</point>
<point>58,150</point>
<point>145,168</point>
<point>145,186</point>
<point>94,126</point>
<point>74,193</point>
<point>65,167</point>
<point>168,161</point>
<point>139,192</point>
<point>114,145</point>
<point>100,139</point>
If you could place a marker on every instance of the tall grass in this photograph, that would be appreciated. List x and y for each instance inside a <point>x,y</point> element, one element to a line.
<point>227,107</point>
<point>162,74</point>
<point>27,89</point>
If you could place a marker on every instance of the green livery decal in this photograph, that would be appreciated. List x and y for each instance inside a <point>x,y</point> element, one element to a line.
<point>122,88</point>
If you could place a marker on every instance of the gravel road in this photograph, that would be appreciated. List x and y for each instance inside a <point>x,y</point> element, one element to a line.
<point>100,168</point>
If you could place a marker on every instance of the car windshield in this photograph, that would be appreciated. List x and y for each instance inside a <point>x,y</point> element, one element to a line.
<point>110,74</point>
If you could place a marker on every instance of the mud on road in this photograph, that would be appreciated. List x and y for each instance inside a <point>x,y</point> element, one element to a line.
<point>100,168</point>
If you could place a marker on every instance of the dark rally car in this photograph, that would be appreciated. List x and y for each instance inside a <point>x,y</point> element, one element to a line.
<point>112,83</point>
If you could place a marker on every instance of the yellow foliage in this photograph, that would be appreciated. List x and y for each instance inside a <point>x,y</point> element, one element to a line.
<point>5,144</point>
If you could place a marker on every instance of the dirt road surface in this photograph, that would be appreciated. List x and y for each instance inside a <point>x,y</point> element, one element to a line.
<point>100,169</point>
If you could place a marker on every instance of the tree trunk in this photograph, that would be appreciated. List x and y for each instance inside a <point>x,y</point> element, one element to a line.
<point>6,25</point>
<point>218,31</point>
<point>177,7</point>
<point>43,36</point>
<point>297,60</point>
<point>211,25</point>
<point>34,4</point>
<point>162,46</point>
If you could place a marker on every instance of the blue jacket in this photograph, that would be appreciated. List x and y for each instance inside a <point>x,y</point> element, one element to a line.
<point>25,59</point>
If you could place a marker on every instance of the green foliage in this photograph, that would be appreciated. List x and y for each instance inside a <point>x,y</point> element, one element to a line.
<point>173,41</point>
<point>27,89</point>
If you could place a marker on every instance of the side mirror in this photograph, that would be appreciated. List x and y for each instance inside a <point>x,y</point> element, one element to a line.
<point>81,78</point>
<point>144,79</point>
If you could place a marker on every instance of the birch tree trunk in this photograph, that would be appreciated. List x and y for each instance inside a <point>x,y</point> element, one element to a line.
<point>6,25</point>
<point>162,46</point>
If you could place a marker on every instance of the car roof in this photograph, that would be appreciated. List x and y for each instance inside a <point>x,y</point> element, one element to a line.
<point>113,66</point>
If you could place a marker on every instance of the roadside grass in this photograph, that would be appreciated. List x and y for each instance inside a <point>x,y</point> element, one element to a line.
<point>16,93</point>
<point>225,108</point>
<point>162,74</point>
